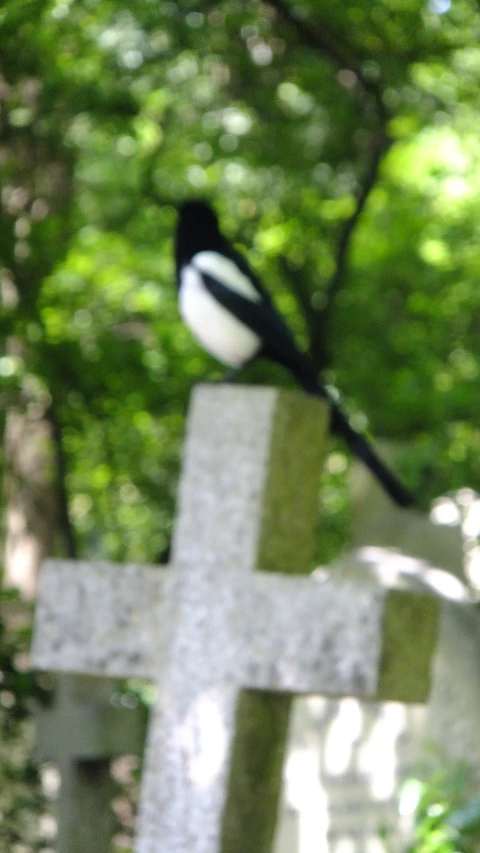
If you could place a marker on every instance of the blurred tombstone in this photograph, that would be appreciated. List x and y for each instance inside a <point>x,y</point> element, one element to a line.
<point>82,731</point>
<point>378,522</point>
<point>347,759</point>
<point>229,634</point>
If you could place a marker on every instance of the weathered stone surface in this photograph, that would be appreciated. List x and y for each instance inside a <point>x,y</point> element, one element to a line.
<point>82,732</point>
<point>339,636</point>
<point>453,712</point>
<point>226,617</point>
<point>244,447</point>
<point>101,618</point>
<point>83,725</point>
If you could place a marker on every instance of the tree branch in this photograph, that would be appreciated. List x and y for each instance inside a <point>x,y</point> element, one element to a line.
<point>380,146</point>
<point>321,326</point>
<point>297,280</point>
<point>65,521</point>
<point>319,39</point>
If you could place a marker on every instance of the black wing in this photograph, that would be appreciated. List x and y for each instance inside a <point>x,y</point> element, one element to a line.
<point>262,318</point>
<point>278,344</point>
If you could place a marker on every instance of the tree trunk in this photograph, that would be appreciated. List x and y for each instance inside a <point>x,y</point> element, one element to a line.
<point>31,511</point>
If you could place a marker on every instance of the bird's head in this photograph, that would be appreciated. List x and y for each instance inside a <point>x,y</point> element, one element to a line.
<point>196,211</point>
<point>197,230</point>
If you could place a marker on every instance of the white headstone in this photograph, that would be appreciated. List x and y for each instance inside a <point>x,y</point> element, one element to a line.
<point>347,759</point>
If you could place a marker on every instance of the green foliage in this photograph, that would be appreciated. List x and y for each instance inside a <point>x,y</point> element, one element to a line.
<point>21,799</point>
<point>113,113</point>
<point>447,813</point>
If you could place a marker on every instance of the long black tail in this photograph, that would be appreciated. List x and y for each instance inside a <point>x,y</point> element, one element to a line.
<point>362,448</point>
<point>358,443</point>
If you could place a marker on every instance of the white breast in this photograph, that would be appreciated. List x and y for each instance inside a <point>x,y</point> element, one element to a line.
<point>216,329</point>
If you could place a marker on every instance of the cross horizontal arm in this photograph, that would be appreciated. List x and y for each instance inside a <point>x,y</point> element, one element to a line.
<point>341,637</point>
<point>307,636</point>
<point>295,634</point>
<point>101,618</point>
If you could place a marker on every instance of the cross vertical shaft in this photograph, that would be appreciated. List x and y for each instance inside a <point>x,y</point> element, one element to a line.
<point>248,498</point>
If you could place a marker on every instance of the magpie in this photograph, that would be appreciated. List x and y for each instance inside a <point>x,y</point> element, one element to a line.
<point>229,312</point>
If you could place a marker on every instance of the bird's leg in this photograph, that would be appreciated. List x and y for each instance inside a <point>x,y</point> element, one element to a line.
<point>231,375</point>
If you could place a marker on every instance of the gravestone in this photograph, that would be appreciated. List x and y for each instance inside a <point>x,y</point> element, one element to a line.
<point>229,633</point>
<point>82,732</point>
<point>346,760</point>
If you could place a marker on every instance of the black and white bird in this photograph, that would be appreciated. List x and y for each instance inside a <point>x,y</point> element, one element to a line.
<point>232,316</point>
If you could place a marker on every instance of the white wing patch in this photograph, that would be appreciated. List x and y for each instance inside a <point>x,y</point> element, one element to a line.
<point>227,272</point>
<point>216,328</point>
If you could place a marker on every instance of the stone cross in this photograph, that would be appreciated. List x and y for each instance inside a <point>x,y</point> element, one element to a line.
<point>82,732</point>
<point>231,631</point>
